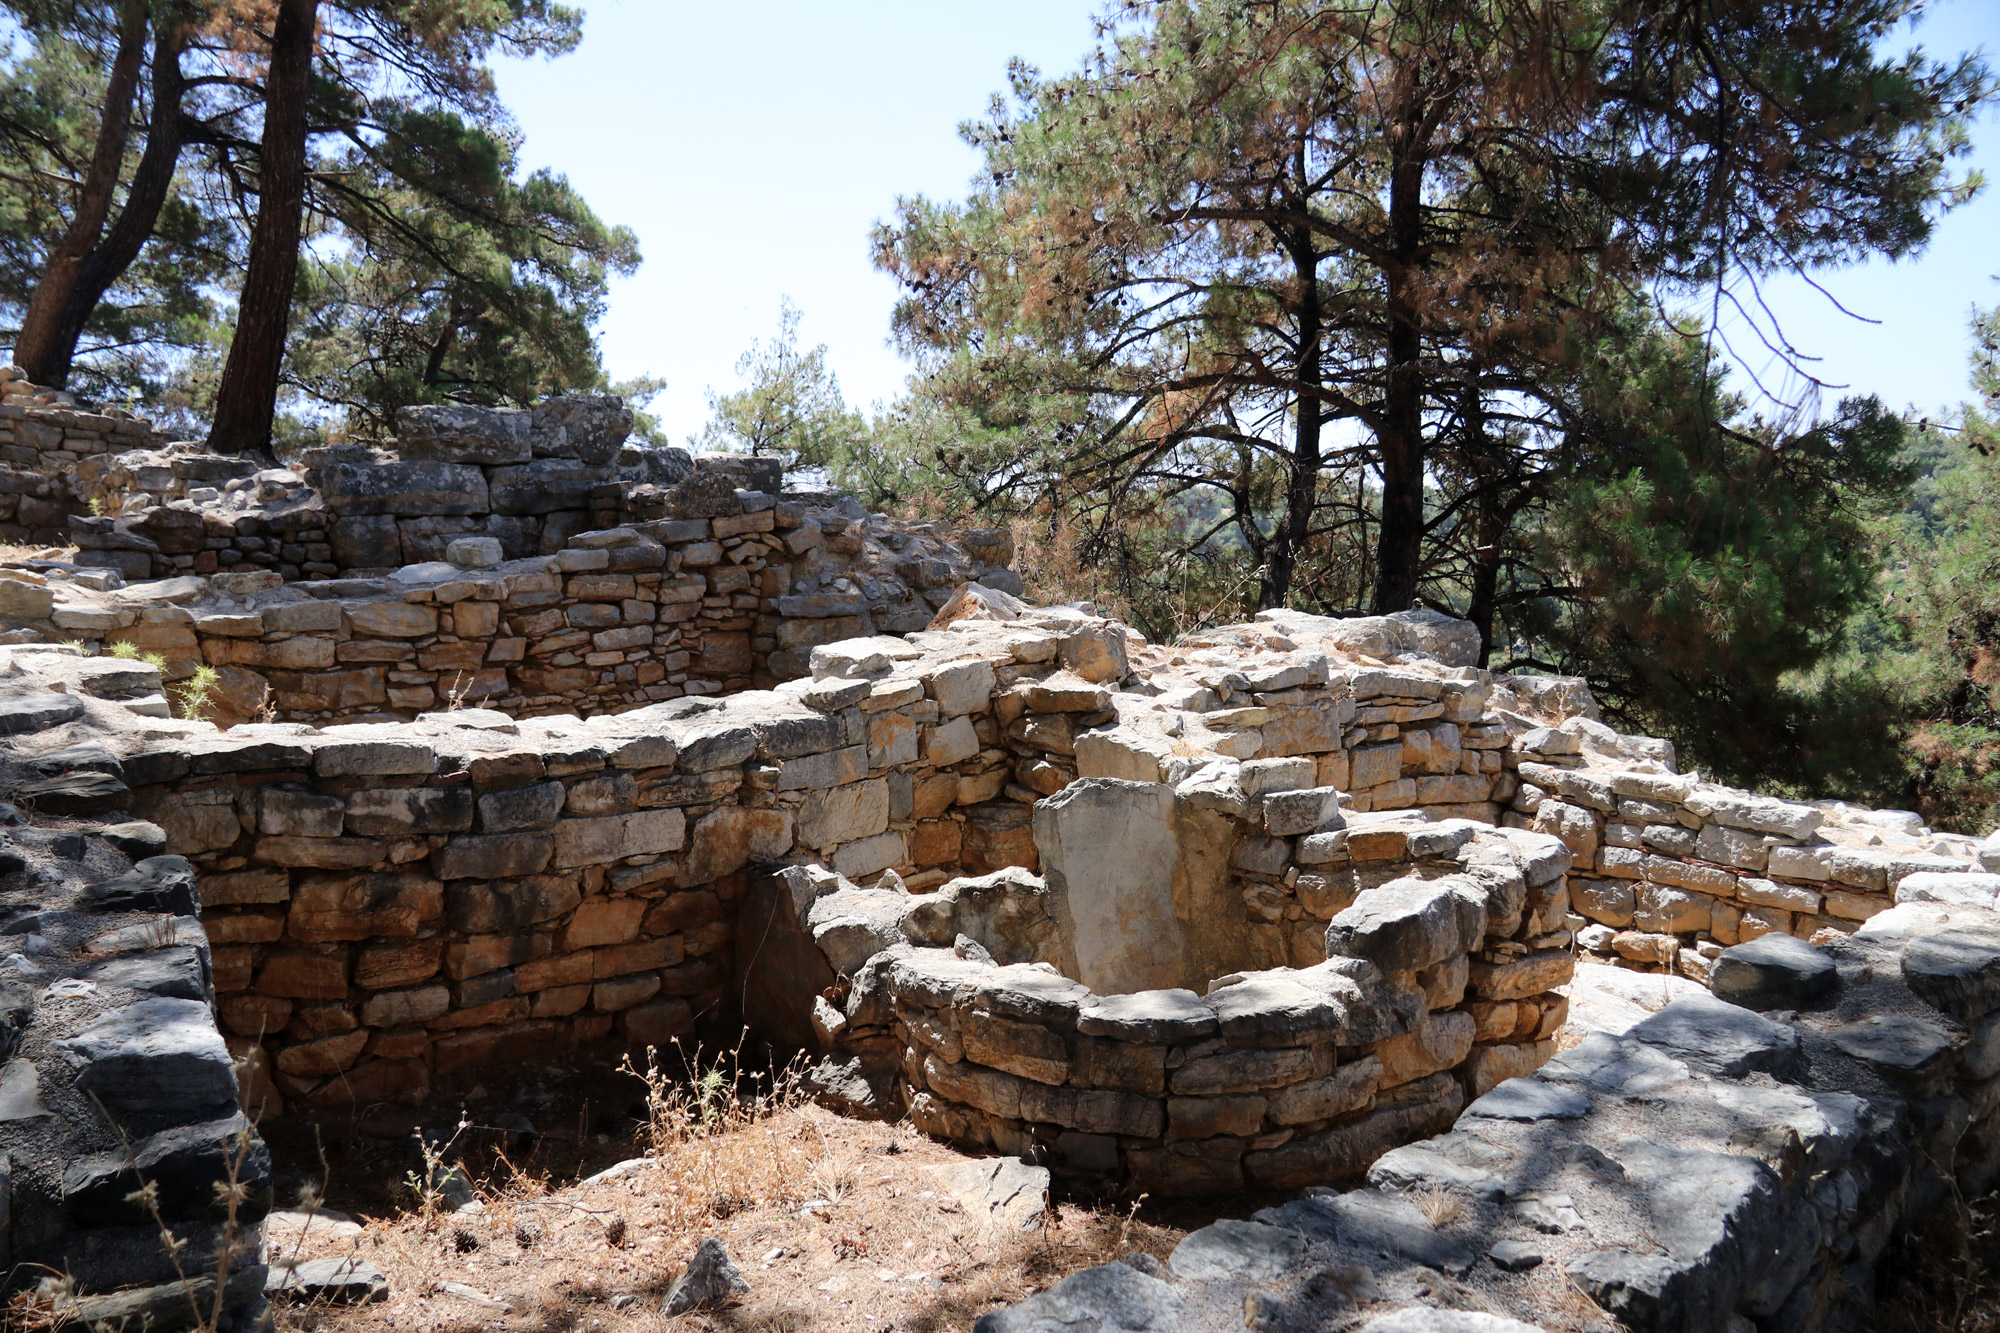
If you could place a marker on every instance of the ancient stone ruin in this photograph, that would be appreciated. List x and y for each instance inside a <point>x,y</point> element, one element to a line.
<point>1297,903</point>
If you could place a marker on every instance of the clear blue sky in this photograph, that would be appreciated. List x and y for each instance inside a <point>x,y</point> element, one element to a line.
<point>752,147</point>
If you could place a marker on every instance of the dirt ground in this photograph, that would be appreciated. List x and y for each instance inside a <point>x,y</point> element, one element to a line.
<point>836,1224</point>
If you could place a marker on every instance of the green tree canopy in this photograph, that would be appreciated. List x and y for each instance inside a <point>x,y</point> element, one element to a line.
<point>1325,269</point>
<point>790,405</point>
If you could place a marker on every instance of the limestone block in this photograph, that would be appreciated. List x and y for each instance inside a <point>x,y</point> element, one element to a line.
<point>1699,878</point>
<point>1747,810</point>
<point>24,600</point>
<point>844,814</point>
<point>372,758</point>
<point>327,907</point>
<point>724,841</point>
<point>870,856</point>
<point>1769,893</point>
<point>1208,1117</point>
<point>463,433</point>
<point>1610,901</point>
<point>402,812</point>
<point>1287,814</point>
<point>493,856</point>
<point>530,807</point>
<point>1525,976</point>
<point>1122,752</point>
<point>1251,1069</point>
<point>1173,1015</point>
<point>1093,1110</point>
<point>1268,1008</point>
<point>1487,1067</point>
<point>1026,1049</point>
<point>1349,1088</point>
<point>300,812</point>
<point>1665,909</point>
<point>321,853</point>
<point>1374,765</point>
<point>1576,826</point>
<point>396,1008</point>
<point>832,767</point>
<point>1064,692</point>
<point>961,687</point>
<point>892,740</point>
<point>1441,1042</point>
<point>1108,852</point>
<point>390,620</point>
<point>950,742</point>
<point>1732,847</point>
<point>581,842</point>
<point>404,963</point>
<point>1855,906</point>
<point>1858,868</point>
<point>1126,1066</point>
<point>1410,924</point>
<point>1456,789</point>
<point>1095,651</point>
<point>407,487</point>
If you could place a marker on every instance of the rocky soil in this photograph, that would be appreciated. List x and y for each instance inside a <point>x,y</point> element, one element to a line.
<point>832,1223</point>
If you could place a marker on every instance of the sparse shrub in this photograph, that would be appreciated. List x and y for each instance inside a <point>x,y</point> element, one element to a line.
<point>198,691</point>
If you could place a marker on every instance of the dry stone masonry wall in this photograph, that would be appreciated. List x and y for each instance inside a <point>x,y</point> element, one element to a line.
<point>618,619</point>
<point>1434,986</point>
<point>112,1072</point>
<point>48,441</point>
<point>1714,1166</point>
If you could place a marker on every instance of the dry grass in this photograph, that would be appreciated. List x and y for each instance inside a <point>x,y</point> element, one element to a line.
<point>836,1224</point>
<point>1439,1205</point>
<point>11,552</point>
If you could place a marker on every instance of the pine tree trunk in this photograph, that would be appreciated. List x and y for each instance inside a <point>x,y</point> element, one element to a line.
<point>247,399</point>
<point>39,348</point>
<point>151,182</point>
<point>1486,557</point>
<point>1281,556</point>
<point>1400,543</point>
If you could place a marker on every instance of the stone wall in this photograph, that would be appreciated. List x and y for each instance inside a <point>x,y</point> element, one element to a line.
<point>927,755</point>
<point>46,436</point>
<point>618,619</point>
<point>1724,1166</point>
<point>520,482</point>
<point>1671,870</point>
<point>1433,987</point>
<point>112,1072</point>
<point>391,901</point>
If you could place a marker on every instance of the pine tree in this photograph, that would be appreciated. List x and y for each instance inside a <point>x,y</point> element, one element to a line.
<point>1327,269</point>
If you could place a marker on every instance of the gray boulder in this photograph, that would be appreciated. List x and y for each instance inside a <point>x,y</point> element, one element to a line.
<point>406,488</point>
<point>1724,1039</point>
<point>1114,1298</point>
<point>329,1282</point>
<point>156,1060</point>
<point>589,427</point>
<point>1774,972</point>
<point>710,1280</point>
<point>461,433</point>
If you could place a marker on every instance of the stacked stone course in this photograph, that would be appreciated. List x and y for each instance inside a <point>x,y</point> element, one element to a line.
<point>1439,985</point>
<point>46,438</point>
<point>1728,1166</point>
<point>1672,870</point>
<point>112,1073</point>
<point>616,620</point>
